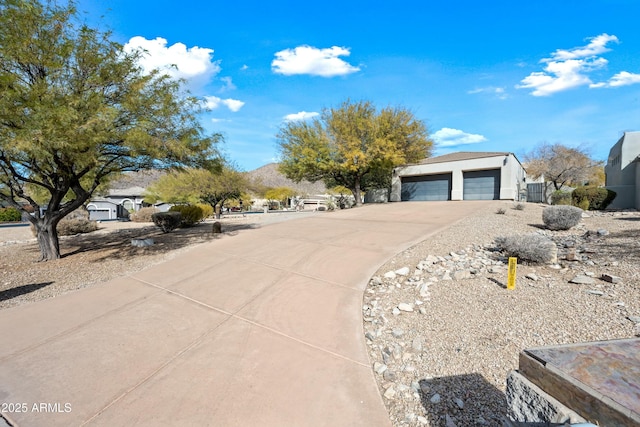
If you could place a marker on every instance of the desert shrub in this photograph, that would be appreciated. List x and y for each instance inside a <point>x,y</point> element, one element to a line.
<point>191,214</point>
<point>70,226</point>
<point>144,214</point>
<point>519,206</point>
<point>599,198</point>
<point>532,247</point>
<point>501,211</point>
<point>207,210</point>
<point>560,197</point>
<point>167,221</point>
<point>583,204</point>
<point>10,214</point>
<point>561,217</point>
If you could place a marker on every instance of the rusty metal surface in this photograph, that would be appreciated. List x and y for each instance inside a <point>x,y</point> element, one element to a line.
<point>611,368</point>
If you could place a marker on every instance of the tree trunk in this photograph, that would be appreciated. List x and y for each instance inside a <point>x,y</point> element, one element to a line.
<point>47,236</point>
<point>357,193</point>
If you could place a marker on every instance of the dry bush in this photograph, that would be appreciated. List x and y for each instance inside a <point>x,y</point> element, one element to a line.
<point>78,225</point>
<point>532,247</point>
<point>561,217</point>
<point>143,215</point>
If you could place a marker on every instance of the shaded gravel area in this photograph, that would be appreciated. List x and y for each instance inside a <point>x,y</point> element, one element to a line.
<point>443,332</point>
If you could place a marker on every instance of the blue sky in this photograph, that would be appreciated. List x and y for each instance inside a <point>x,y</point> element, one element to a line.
<point>483,76</point>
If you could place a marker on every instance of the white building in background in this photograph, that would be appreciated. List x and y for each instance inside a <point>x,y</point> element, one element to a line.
<point>116,204</point>
<point>461,176</point>
<point>623,173</point>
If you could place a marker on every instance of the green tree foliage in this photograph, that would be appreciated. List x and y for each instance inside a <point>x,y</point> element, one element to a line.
<point>354,145</point>
<point>76,109</point>
<point>561,165</point>
<point>279,194</point>
<point>10,215</point>
<point>192,185</point>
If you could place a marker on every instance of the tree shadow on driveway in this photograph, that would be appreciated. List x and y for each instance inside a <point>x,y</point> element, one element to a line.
<point>117,244</point>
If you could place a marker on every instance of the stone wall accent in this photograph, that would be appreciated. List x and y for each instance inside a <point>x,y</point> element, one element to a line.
<point>529,403</point>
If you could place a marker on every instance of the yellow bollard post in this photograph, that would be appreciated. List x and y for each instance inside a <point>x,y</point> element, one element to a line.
<point>511,278</point>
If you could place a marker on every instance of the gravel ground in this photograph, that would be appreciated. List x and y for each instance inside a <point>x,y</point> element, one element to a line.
<point>444,333</point>
<point>102,255</point>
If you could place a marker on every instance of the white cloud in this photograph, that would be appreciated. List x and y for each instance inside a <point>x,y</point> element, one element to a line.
<point>213,102</point>
<point>499,92</point>
<point>567,69</point>
<point>623,78</point>
<point>228,84</point>
<point>193,64</point>
<point>313,61</point>
<point>447,137</point>
<point>302,115</point>
<point>596,46</point>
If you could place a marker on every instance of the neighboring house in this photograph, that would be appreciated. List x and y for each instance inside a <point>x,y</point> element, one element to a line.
<point>623,173</point>
<point>461,176</point>
<point>117,204</point>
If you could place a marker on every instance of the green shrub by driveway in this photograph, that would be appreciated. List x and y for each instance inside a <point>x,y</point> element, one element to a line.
<point>599,198</point>
<point>167,221</point>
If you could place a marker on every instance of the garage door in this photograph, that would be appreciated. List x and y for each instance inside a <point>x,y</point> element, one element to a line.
<point>426,187</point>
<point>98,214</point>
<point>481,185</point>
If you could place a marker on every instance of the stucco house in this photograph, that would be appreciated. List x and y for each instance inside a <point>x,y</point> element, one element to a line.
<point>461,176</point>
<point>623,173</point>
<point>115,203</point>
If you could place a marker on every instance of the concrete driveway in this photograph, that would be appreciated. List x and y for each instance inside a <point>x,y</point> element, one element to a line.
<point>261,328</point>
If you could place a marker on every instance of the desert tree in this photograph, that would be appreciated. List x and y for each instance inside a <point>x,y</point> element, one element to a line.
<point>76,109</point>
<point>213,186</point>
<point>561,165</point>
<point>354,145</point>
<point>279,194</point>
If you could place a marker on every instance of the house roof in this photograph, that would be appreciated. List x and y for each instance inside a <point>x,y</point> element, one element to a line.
<point>462,155</point>
<point>127,192</point>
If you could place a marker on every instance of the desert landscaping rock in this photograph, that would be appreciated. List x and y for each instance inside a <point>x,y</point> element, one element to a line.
<point>582,280</point>
<point>465,333</point>
<point>610,278</point>
<point>405,307</point>
<point>404,271</point>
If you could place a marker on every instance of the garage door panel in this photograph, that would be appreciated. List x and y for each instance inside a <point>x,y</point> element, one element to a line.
<point>98,214</point>
<point>481,185</point>
<point>426,188</point>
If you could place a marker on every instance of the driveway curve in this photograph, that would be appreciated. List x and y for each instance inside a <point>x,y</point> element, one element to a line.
<point>260,328</point>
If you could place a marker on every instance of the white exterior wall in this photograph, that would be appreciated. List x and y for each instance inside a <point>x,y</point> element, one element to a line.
<point>512,175</point>
<point>621,171</point>
<point>637,189</point>
<point>103,206</point>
